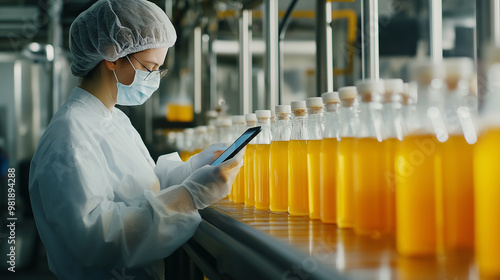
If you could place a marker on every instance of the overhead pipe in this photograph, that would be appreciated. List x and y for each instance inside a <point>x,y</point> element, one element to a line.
<point>324,47</point>
<point>282,30</point>
<point>56,38</point>
<point>245,58</point>
<point>370,39</point>
<point>272,77</point>
<point>436,30</point>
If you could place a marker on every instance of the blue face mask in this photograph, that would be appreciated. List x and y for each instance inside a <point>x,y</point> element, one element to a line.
<point>139,90</point>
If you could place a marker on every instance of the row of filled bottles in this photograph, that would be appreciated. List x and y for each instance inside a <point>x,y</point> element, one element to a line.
<point>384,157</point>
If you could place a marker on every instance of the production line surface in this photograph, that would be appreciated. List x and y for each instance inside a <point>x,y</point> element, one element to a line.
<point>357,257</point>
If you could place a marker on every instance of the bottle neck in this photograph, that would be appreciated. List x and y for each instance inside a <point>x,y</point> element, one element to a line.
<point>299,128</point>
<point>283,128</point>
<point>349,121</point>
<point>331,107</point>
<point>251,124</point>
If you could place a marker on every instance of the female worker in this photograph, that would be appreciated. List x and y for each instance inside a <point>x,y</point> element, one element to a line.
<point>101,204</point>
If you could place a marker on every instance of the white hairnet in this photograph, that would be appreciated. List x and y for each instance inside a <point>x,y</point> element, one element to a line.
<point>111,29</point>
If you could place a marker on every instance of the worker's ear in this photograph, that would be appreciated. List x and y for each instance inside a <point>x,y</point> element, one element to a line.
<point>111,65</point>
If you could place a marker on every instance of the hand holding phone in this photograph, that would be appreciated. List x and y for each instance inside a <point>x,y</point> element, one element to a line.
<point>241,142</point>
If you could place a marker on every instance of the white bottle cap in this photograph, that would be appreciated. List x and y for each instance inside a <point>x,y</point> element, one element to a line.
<point>409,93</point>
<point>189,131</point>
<point>394,85</point>
<point>460,67</point>
<point>298,105</point>
<point>370,86</point>
<point>348,93</point>
<point>263,113</point>
<point>211,114</point>
<point>200,129</point>
<point>283,109</point>
<point>330,97</point>
<point>226,121</point>
<point>314,102</point>
<point>424,71</point>
<point>250,117</point>
<point>239,119</point>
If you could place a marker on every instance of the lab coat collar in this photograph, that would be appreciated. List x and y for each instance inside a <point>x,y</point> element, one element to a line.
<point>94,104</point>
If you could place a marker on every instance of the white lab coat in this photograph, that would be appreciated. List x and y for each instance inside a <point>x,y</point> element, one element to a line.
<point>103,209</point>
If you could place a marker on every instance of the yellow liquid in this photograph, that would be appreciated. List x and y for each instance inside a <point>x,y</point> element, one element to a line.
<point>185,155</point>
<point>249,177</point>
<point>390,146</point>
<point>179,112</point>
<point>313,176</point>
<point>345,183</point>
<point>457,194</point>
<point>487,203</point>
<point>415,196</point>
<point>261,169</point>
<point>298,201</point>
<point>239,187</point>
<point>328,180</point>
<point>278,176</point>
<point>371,191</point>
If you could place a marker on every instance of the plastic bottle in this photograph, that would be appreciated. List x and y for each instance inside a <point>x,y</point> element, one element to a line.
<point>187,151</point>
<point>328,158</point>
<point>211,134</point>
<point>211,116</point>
<point>409,108</point>
<point>273,122</point>
<point>487,181</point>
<point>315,134</point>
<point>371,192</point>
<point>349,126</point>
<point>393,131</point>
<point>416,224</point>
<point>199,139</point>
<point>224,130</point>
<point>278,175</point>
<point>298,196</point>
<point>261,162</point>
<point>238,190</point>
<point>248,165</point>
<point>455,190</point>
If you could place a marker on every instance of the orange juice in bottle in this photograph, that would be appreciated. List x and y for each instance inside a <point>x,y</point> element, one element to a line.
<point>248,164</point>
<point>487,183</point>
<point>345,160</point>
<point>487,200</point>
<point>315,134</point>
<point>370,190</point>
<point>328,158</point>
<point>416,220</point>
<point>261,163</point>
<point>393,132</point>
<point>455,189</point>
<point>224,126</point>
<point>278,173</point>
<point>239,126</point>
<point>298,194</point>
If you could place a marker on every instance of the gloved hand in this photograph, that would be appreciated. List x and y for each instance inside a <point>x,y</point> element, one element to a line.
<point>209,183</point>
<point>206,156</point>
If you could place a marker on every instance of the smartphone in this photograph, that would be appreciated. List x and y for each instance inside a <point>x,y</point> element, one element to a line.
<point>241,142</point>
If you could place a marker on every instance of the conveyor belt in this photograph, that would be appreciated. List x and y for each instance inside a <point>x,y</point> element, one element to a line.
<point>236,242</point>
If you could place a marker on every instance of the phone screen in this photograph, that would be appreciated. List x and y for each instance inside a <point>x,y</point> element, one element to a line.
<point>232,150</point>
